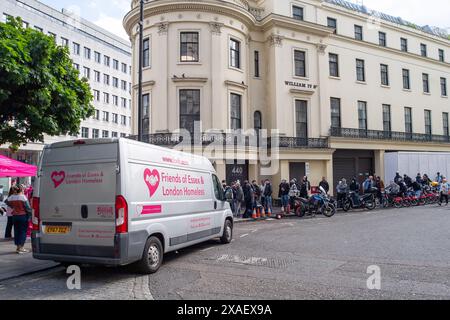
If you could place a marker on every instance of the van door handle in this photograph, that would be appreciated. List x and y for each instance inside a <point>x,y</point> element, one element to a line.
<point>84,211</point>
<point>215,205</point>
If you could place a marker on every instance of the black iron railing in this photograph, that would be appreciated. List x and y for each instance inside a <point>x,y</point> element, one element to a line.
<point>295,143</point>
<point>205,139</point>
<point>387,135</point>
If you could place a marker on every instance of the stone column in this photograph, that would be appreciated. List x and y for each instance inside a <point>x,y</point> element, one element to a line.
<point>379,164</point>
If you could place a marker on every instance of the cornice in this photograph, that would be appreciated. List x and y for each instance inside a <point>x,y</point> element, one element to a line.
<point>145,84</point>
<point>388,49</point>
<point>190,79</point>
<point>275,20</point>
<point>236,84</point>
<point>159,7</point>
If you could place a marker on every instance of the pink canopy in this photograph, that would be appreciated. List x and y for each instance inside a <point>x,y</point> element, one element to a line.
<point>13,168</point>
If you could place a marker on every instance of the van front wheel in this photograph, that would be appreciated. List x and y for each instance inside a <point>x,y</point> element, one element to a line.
<point>227,235</point>
<point>152,257</point>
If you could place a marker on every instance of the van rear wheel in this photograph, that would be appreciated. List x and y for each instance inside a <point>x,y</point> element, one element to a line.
<point>227,235</point>
<point>152,256</point>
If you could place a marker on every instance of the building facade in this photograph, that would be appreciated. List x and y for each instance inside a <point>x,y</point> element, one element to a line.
<point>340,83</point>
<point>101,57</point>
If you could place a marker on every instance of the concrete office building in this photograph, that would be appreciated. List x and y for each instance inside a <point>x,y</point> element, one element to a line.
<point>343,84</point>
<point>99,55</point>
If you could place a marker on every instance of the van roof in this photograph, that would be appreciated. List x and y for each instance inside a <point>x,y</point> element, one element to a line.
<point>137,152</point>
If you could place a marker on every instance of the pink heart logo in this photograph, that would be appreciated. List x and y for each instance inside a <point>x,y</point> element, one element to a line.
<point>151,179</point>
<point>58,178</point>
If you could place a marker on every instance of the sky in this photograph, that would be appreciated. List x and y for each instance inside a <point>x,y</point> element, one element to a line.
<point>109,13</point>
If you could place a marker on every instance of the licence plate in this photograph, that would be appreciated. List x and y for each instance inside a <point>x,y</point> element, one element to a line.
<point>57,229</point>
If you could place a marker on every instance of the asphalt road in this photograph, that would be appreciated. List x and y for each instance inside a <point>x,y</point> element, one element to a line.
<point>311,258</point>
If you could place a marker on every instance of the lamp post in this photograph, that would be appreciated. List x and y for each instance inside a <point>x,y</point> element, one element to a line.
<point>141,60</point>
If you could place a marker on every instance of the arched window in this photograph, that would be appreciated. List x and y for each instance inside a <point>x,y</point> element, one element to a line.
<point>257,118</point>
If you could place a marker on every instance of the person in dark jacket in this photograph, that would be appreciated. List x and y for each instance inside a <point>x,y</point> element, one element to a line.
<point>324,184</point>
<point>407,180</point>
<point>283,194</point>
<point>417,187</point>
<point>426,181</point>
<point>397,178</point>
<point>419,179</point>
<point>403,188</point>
<point>354,188</point>
<point>305,187</point>
<point>248,199</point>
<point>267,193</point>
<point>379,184</point>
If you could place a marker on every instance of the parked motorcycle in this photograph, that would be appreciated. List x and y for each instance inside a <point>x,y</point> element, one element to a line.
<point>317,203</point>
<point>366,201</point>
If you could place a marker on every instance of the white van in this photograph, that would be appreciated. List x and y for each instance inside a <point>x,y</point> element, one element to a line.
<point>119,201</point>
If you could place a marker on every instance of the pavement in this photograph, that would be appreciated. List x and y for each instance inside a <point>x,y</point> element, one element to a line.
<point>15,265</point>
<point>309,258</point>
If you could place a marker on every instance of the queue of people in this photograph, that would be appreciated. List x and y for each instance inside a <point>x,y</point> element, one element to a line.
<point>248,196</point>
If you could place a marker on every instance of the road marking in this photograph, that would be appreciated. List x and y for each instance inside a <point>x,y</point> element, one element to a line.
<point>242,260</point>
<point>207,249</point>
<point>244,235</point>
<point>254,230</point>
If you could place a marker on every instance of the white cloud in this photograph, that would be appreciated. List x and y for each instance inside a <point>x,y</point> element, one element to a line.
<point>113,25</point>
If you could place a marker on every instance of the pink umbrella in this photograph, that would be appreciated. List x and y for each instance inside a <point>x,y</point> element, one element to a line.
<point>13,168</point>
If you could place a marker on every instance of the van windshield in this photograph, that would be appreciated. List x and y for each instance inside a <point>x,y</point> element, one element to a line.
<point>218,190</point>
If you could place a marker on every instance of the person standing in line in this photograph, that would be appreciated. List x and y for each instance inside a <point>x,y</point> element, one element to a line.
<point>444,189</point>
<point>341,191</point>
<point>305,187</point>
<point>426,181</point>
<point>379,184</point>
<point>21,215</point>
<point>398,177</point>
<point>268,191</point>
<point>239,199</point>
<point>354,188</point>
<point>368,184</point>
<point>229,194</point>
<point>283,194</point>
<point>293,193</point>
<point>248,198</point>
<point>9,214</point>
<point>439,178</point>
<point>324,184</point>
<point>261,188</point>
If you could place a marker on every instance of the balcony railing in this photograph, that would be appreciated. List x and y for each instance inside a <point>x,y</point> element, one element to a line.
<point>205,139</point>
<point>302,143</point>
<point>387,135</point>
